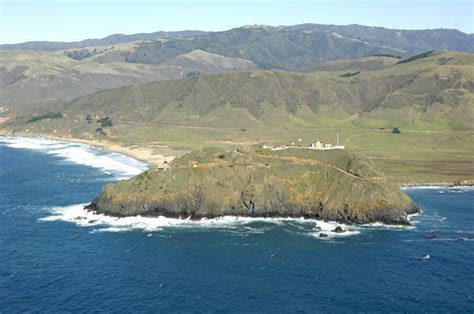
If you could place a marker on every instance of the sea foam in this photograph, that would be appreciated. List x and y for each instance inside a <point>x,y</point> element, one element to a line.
<point>102,223</point>
<point>423,187</point>
<point>120,166</point>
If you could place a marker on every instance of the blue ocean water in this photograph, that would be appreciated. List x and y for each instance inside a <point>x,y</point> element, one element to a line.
<point>55,258</point>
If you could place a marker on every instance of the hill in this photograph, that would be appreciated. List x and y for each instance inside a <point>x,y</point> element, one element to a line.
<point>54,77</point>
<point>251,181</point>
<point>120,60</point>
<point>435,92</point>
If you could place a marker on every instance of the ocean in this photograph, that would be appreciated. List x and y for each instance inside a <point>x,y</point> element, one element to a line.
<point>55,257</point>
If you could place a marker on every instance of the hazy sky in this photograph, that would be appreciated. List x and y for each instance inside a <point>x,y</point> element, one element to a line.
<point>71,20</point>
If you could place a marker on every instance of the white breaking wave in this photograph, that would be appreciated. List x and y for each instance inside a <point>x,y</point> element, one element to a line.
<point>118,165</point>
<point>423,187</point>
<point>103,223</point>
<point>325,230</point>
<point>458,189</point>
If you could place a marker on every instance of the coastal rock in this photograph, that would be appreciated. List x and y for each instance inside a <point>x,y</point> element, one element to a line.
<point>339,229</point>
<point>257,182</point>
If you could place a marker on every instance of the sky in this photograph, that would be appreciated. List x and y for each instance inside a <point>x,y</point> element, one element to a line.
<point>73,20</point>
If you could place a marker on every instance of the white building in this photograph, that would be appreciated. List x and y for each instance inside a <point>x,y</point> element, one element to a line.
<point>317,145</point>
<point>320,146</point>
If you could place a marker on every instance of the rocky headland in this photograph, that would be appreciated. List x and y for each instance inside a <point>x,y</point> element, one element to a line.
<point>337,185</point>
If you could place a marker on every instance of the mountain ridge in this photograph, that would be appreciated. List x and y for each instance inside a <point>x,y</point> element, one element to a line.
<point>108,40</point>
<point>123,38</point>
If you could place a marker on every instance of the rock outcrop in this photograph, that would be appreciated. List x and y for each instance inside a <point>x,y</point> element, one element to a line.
<point>337,185</point>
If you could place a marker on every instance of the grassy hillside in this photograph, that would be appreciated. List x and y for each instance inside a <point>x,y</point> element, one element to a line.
<point>371,63</point>
<point>433,93</point>
<point>54,77</point>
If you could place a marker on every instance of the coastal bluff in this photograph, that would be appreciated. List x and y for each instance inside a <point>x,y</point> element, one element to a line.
<point>337,185</point>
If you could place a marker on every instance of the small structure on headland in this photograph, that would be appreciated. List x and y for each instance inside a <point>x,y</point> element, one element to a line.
<point>328,145</point>
<point>279,147</point>
<point>318,145</point>
<point>161,166</point>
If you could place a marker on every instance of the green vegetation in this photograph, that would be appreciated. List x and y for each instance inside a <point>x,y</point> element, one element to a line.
<point>193,74</point>
<point>416,57</point>
<point>49,115</point>
<point>386,55</point>
<point>420,95</point>
<point>349,74</point>
<point>104,122</point>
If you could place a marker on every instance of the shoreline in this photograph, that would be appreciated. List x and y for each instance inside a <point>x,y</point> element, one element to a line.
<point>460,184</point>
<point>143,154</point>
<point>152,158</point>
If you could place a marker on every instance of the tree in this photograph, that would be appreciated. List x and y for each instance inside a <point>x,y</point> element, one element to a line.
<point>104,122</point>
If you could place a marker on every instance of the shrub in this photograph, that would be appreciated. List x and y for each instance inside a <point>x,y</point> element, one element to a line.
<point>100,131</point>
<point>385,55</point>
<point>416,57</point>
<point>193,74</point>
<point>49,115</point>
<point>349,74</point>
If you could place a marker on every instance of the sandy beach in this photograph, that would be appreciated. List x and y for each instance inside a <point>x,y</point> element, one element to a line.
<point>147,154</point>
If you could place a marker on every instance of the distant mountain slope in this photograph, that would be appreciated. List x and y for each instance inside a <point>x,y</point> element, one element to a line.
<point>28,77</point>
<point>268,47</point>
<point>436,92</point>
<point>284,47</point>
<point>292,48</point>
<point>109,40</point>
<point>410,41</point>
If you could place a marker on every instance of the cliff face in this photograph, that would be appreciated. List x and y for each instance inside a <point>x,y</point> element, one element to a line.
<point>335,185</point>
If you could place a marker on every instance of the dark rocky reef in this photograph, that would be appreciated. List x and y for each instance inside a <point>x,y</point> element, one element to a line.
<point>336,185</point>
